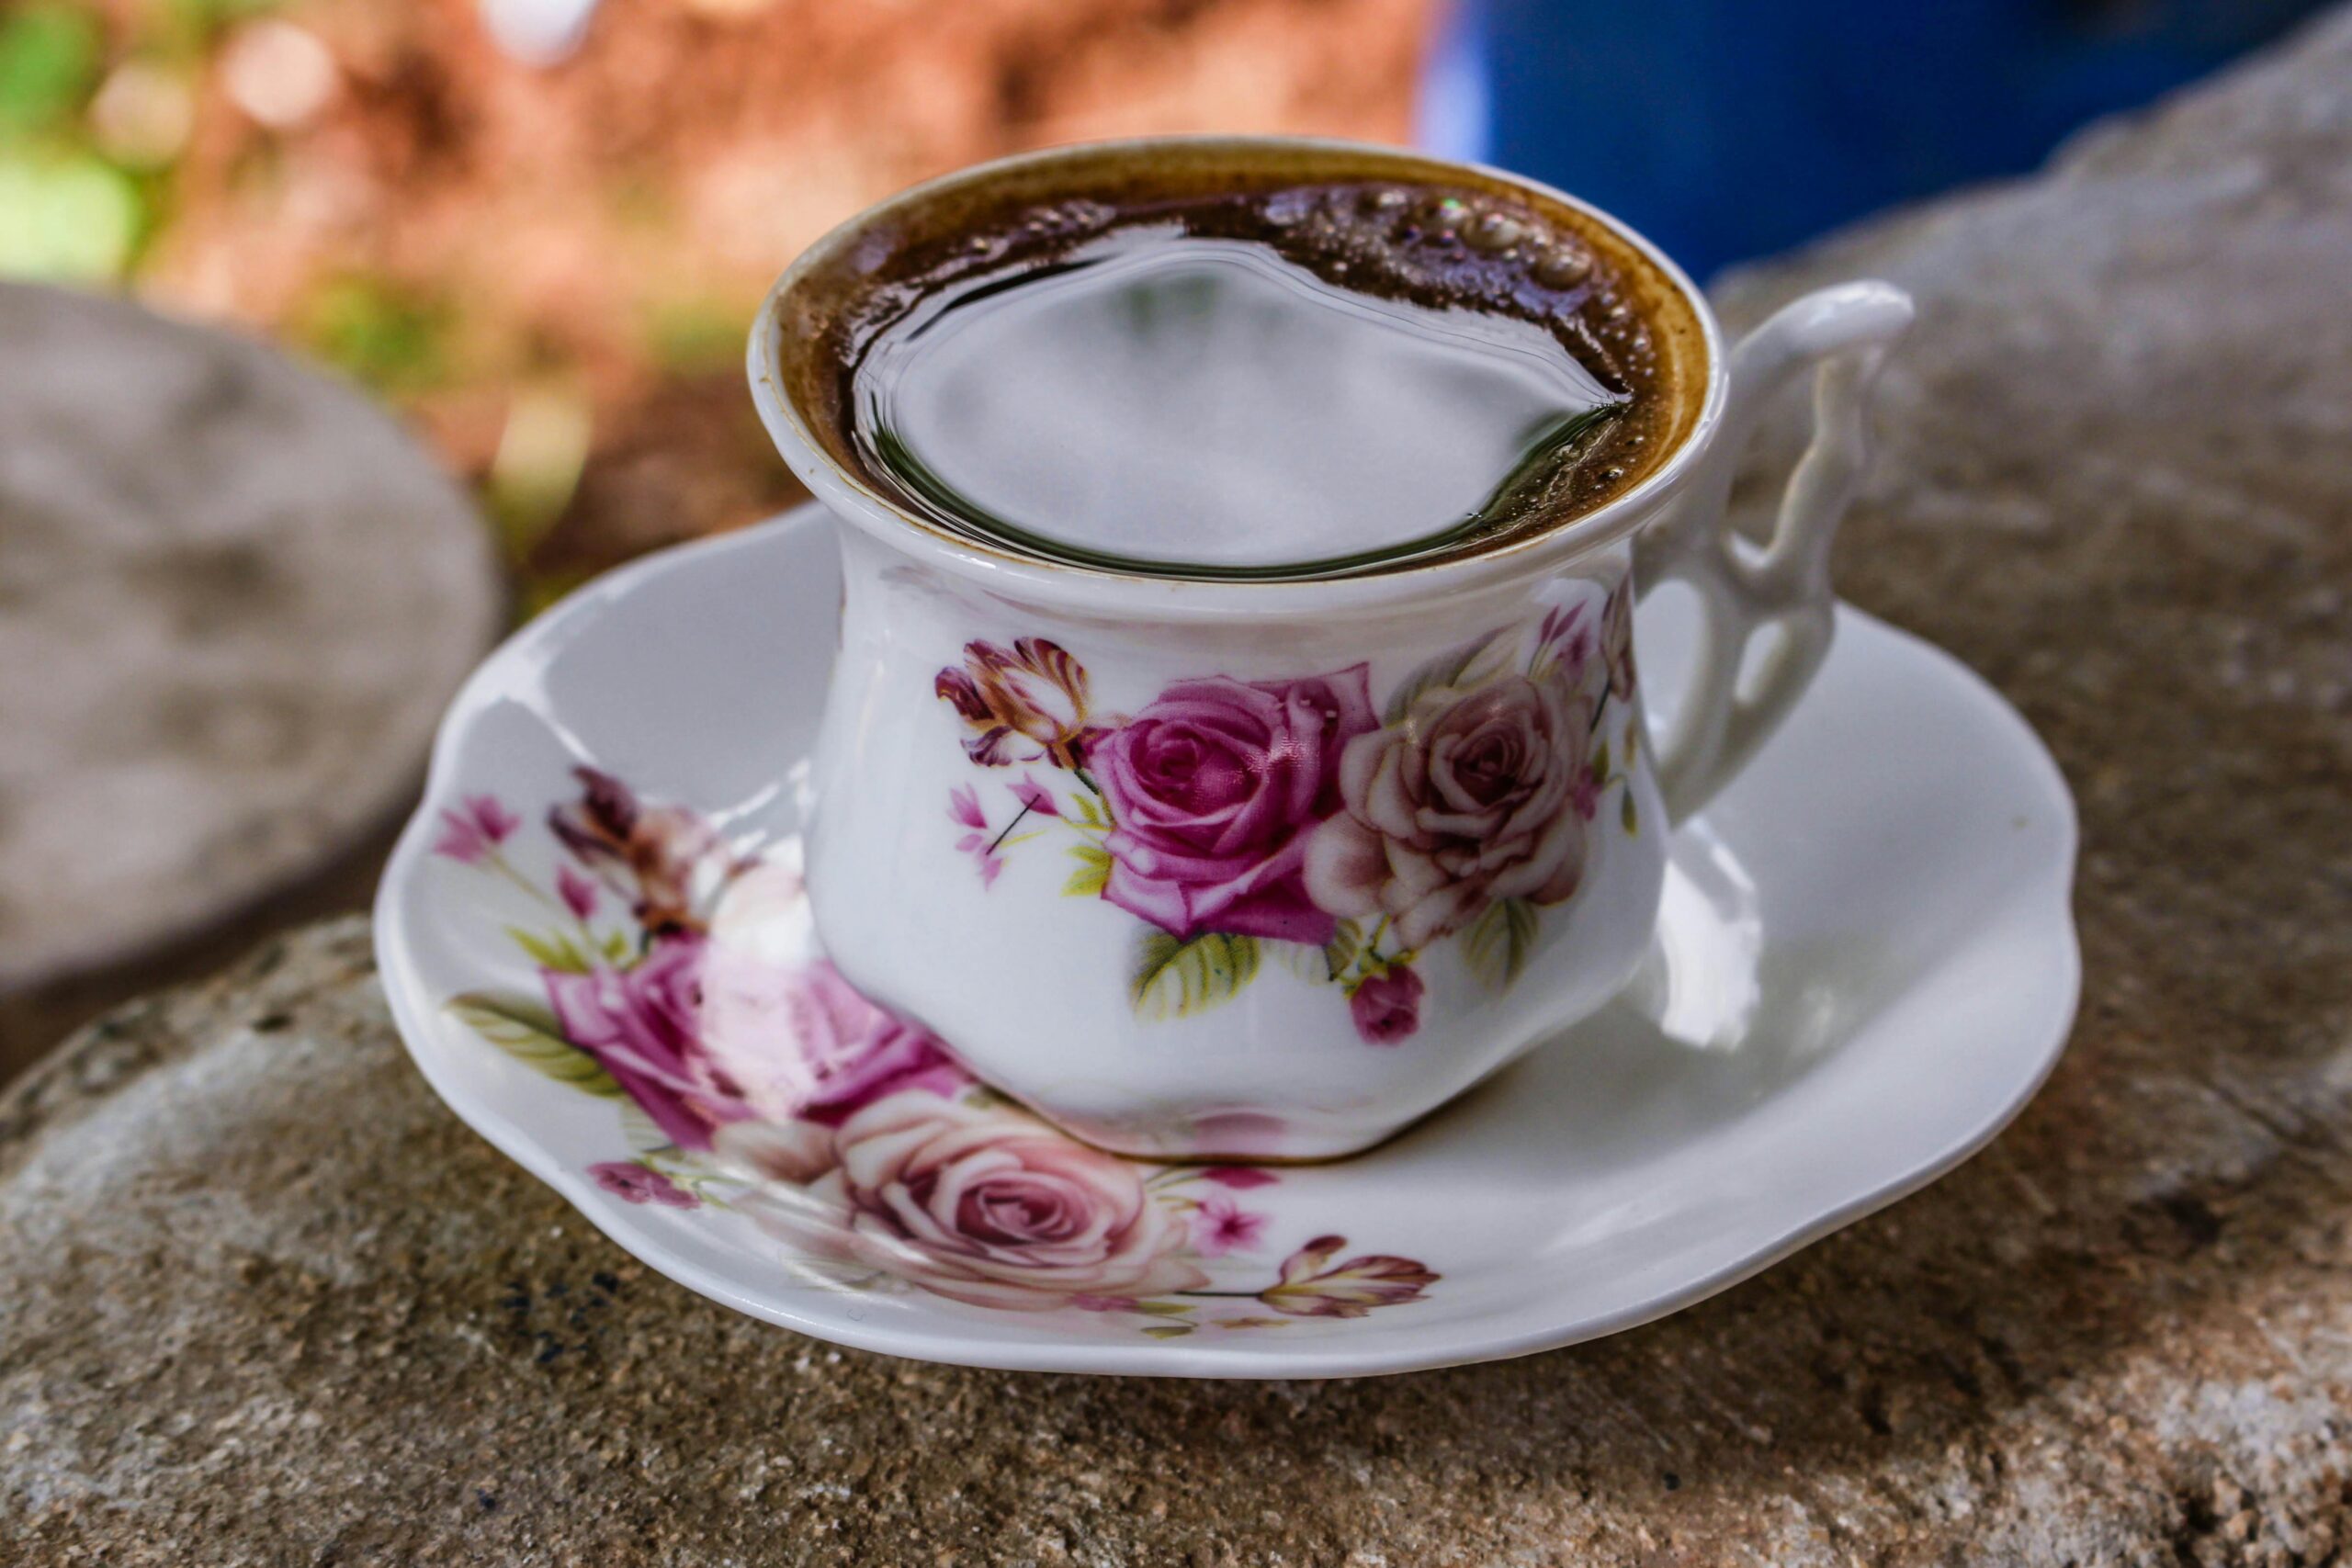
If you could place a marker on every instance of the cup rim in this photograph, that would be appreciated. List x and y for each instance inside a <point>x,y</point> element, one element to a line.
<point>850,495</point>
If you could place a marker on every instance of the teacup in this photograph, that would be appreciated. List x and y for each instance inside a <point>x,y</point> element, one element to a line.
<point>995,849</point>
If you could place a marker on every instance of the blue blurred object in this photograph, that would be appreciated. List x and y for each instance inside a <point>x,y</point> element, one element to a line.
<point>1725,130</point>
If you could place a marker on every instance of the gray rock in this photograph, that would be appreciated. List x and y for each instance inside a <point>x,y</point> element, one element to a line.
<point>233,599</point>
<point>271,1303</point>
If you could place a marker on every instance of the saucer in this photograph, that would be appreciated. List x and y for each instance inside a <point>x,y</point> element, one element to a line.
<point>596,946</point>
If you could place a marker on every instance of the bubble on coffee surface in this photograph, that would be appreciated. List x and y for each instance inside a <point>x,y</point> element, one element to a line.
<point>1313,378</point>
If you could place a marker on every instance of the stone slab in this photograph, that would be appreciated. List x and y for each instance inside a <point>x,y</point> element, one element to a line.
<point>234,597</point>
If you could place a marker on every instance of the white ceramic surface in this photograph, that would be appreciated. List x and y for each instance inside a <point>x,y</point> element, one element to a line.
<point>1864,965</point>
<point>1288,863</point>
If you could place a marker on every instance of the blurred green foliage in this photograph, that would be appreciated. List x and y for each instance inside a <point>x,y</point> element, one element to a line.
<point>49,66</point>
<point>692,336</point>
<point>74,209</point>
<point>382,337</point>
<point>65,216</point>
<point>191,24</point>
<point>65,212</point>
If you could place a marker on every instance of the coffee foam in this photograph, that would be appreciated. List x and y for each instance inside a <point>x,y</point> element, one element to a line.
<point>1382,224</point>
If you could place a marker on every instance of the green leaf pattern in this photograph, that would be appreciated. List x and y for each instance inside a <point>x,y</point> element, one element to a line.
<point>1093,873</point>
<point>530,1032</point>
<point>557,951</point>
<point>1328,965</point>
<point>1497,943</point>
<point>1176,979</point>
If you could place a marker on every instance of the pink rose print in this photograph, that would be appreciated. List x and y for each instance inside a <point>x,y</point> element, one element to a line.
<point>850,1133</point>
<point>635,1183</point>
<point>1212,789</point>
<point>858,1052</point>
<point>802,1042</point>
<point>1288,811</point>
<point>1220,1225</point>
<point>703,1033</point>
<point>1027,703</point>
<point>1313,1286</point>
<point>981,1204</point>
<point>1472,796</point>
<point>474,827</point>
<point>1387,1007</point>
<point>643,1025</point>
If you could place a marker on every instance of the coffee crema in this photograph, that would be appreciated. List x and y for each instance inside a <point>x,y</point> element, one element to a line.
<point>1289,379</point>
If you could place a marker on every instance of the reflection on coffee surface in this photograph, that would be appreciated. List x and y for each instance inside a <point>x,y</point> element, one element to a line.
<point>1289,382</point>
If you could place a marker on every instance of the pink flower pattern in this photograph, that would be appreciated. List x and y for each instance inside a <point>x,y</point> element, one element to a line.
<point>977,1202</point>
<point>1220,1225</point>
<point>1212,789</point>
<point>634,1183</point>
<point>847,1133</point>
<point>1387,1007</point>
<point>642,1024</point>
<point>473,828</point>
<point>1314,1286</point>
<point>1291,811</point>
<point>1023,702</point>
<point>1034,796</point>
<point>1471,799</point>
<point>964,809</point>
<point>579,894</point>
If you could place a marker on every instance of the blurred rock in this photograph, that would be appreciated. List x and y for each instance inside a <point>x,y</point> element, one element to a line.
<point>234,600</point>
<point>268,1296</point>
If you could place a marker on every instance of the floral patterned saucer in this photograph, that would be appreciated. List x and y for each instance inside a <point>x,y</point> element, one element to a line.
<point>596,946</point>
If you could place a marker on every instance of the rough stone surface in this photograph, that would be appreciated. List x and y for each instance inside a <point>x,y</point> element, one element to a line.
<point>233,599</point>
<point>270,1304</point>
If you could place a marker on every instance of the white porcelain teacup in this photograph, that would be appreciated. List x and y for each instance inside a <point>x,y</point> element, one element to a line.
<point>1350,941</point>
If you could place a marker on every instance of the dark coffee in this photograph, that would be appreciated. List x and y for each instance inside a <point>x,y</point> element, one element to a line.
<point>1297,379</point>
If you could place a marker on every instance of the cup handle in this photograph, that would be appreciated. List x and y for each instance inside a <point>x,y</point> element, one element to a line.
<point>1844,331</point>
